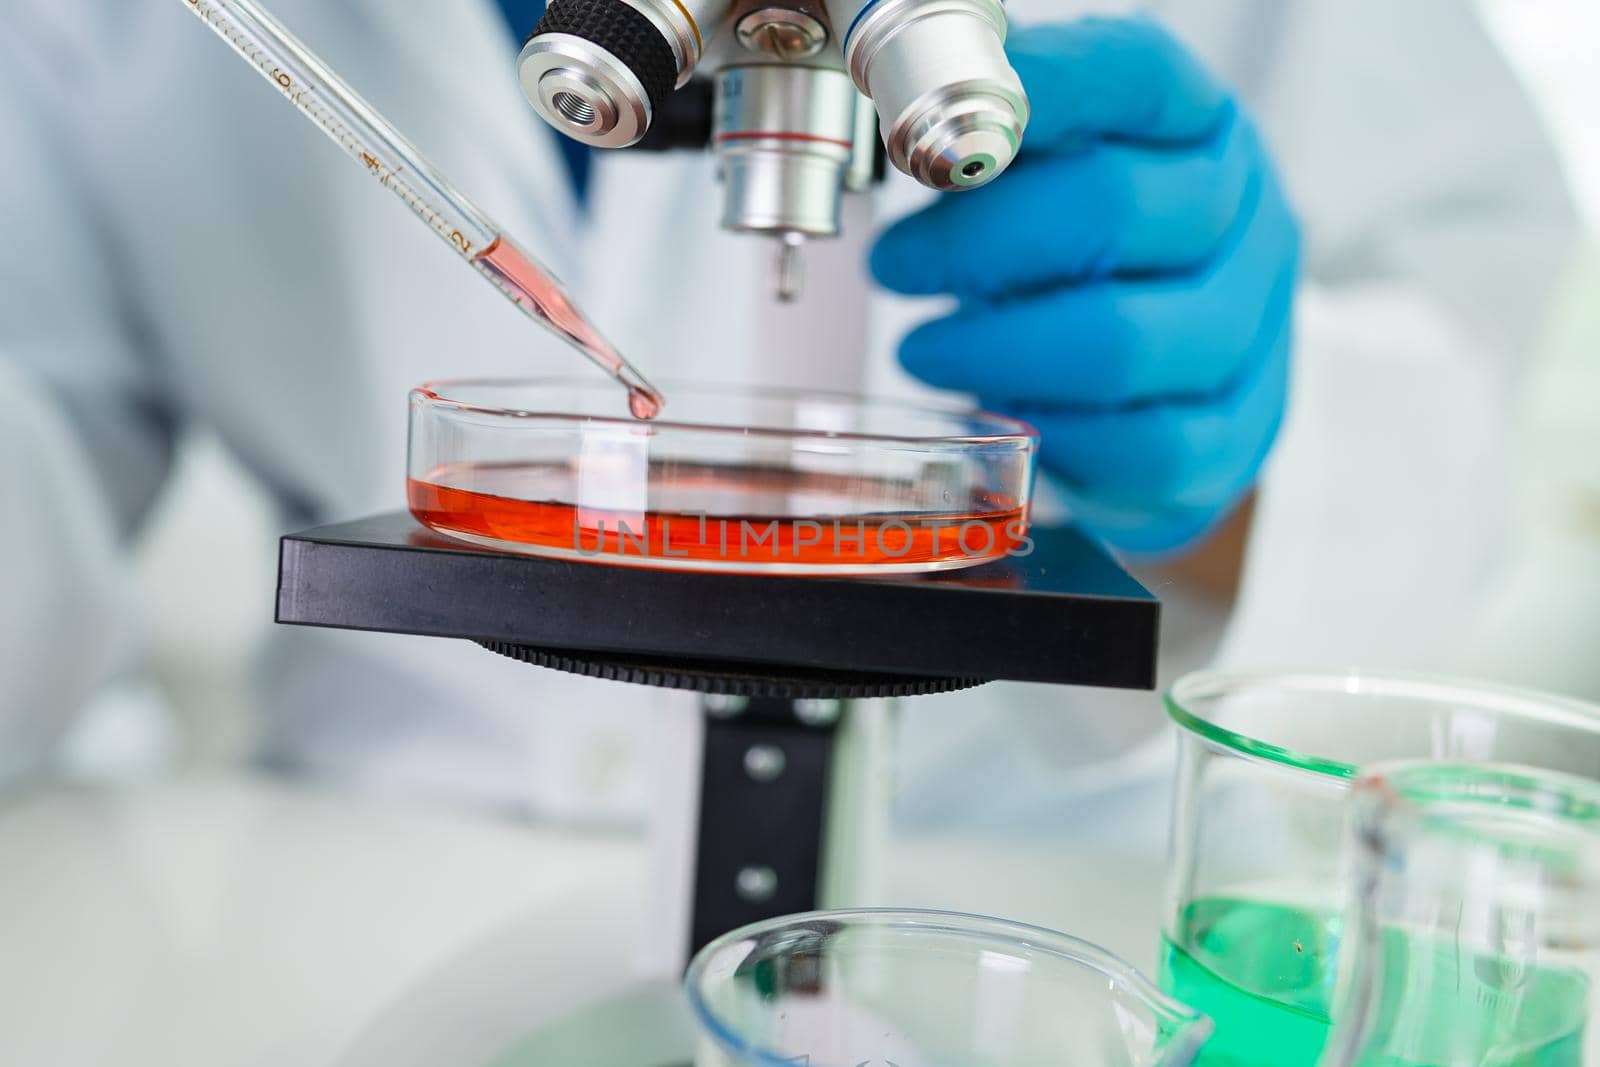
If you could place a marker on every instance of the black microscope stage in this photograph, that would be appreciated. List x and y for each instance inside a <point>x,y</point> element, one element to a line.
<point>1066,614</point>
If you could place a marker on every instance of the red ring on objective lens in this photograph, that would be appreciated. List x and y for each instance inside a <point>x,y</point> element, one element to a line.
<point>781,135</point>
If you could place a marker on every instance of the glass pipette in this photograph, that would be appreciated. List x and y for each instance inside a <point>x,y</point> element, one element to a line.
<point>324,98</point>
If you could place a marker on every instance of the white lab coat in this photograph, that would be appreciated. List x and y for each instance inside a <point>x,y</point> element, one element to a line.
<point>181,250</point>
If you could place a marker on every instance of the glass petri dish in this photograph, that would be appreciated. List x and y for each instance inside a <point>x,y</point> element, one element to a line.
<point>730,479</point>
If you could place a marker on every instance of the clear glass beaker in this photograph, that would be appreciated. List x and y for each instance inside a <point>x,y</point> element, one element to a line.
<point>877,988</point>
<point>1473,936</point>
<point>1256,886</point>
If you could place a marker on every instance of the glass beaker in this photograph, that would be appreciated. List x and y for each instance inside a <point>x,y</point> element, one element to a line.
<point>1473,936</point>
<point>1256,885</point>
<point>875,988</point>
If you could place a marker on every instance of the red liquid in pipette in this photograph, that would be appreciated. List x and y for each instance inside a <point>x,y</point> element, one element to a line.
<point>536,291</point>
<point>487,500</point>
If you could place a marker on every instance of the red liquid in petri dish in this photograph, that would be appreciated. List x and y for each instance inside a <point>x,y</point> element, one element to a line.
<point>506,504</point>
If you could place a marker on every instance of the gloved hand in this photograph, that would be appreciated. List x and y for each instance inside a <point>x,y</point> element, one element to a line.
<point>1126,286</point>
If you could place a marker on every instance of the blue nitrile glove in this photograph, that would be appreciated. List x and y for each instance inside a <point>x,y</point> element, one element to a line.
<point>1126,286</point>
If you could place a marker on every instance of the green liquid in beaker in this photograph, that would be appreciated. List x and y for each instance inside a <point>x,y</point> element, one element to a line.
<point>1265,974</point>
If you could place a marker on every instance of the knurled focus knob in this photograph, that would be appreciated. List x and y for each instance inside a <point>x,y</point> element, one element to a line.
<point>598,70</point>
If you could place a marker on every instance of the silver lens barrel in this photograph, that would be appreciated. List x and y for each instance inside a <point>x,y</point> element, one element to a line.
<point>598,70</point>
<point>584,91</point>
<point>951,109</point>
<point>784,136</point>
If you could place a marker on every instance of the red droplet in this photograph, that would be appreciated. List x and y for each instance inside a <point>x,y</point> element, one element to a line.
<point>644,404</point>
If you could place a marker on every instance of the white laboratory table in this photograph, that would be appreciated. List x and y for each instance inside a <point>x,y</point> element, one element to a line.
<point>239,921</point>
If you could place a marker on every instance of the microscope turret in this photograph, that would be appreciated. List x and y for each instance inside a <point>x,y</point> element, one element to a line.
<point>794,88</point>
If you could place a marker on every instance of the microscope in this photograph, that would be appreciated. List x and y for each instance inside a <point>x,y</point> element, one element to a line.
<point>789,103</point>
